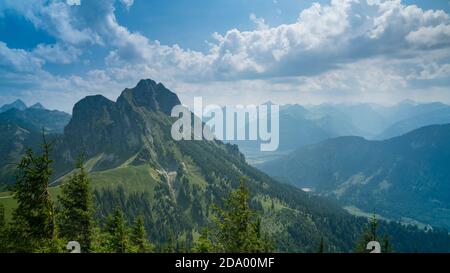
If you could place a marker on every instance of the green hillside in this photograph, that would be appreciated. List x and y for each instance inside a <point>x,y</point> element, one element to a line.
<point>402,178</point>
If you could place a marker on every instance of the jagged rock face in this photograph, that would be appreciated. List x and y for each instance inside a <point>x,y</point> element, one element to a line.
<point>91,126</point>
<point>118,130</point>
<point>152,96</point>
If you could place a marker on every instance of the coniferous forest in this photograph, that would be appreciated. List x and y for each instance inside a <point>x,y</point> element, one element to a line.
<point>112,222</point>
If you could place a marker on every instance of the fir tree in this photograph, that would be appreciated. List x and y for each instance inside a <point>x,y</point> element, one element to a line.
<point>238,228</point>
<point>33,220</point>
<point>75,218</point>
<point>138,236</point>
<point>369,234</point>
<point>321,246</point>
<point>386,246</point>
<point>117,233</point>
<point>203,244</point>
<point>170,246</point>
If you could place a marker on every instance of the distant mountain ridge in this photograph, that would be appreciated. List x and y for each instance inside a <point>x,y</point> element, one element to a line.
<point>18,104</point>
<point>406,176</point>
<point>301,126</point>
<point>434,116</point>
<point>36,118</point>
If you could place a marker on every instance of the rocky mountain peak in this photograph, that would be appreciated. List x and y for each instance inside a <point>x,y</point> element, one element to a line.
<point>151,95</point>
<point>38,106</point>
<point>18,104</point>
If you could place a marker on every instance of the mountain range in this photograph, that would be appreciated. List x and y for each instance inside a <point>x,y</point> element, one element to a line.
<point>135,164</point>
<point>304,125</point>
<point>405,177</point>
<point>34,118</point>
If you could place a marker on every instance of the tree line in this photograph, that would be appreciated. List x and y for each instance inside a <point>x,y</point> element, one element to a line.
<point>41,225</point>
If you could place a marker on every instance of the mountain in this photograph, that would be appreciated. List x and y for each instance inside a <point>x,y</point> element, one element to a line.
<point>135,164</point>
<point>363,119</point>
<point>37,106</point>
<point>433,116</point>
<point>21,128</point>
<point>374,121</point>
<point>408,109</point>
<point>18,104</point>
<point>403,177</point>
<point>14,141</point>
<point>299,127</point>
<point>36,119</point>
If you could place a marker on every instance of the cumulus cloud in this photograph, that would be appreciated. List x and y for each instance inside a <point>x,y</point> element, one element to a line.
<point>259,22</point>
<point>324,37</point>
<point>430,36</point>
<point>73,2</point>
<point>18,60</point>
<point>368,47</point>
<point>127,3</point>
<point>57,53</point>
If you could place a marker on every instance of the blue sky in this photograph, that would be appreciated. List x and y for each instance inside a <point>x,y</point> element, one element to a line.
<point>228,51</point>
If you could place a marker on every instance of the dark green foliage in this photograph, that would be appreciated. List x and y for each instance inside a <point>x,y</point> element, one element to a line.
<point>33,220</point>
<point>371,234</point>
<point>3,238</point>
<point>321,248</point>
<point>32,228</point>
<point>117,238</point>
<point>75,218</point>
<point>237,229</point>
<point>396,168</point>
<point>386,246</point>
<point>203,244</point>
<point>138,237</point>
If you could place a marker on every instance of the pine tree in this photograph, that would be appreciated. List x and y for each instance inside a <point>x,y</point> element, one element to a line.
<point>203,244</point>
<point>386,246</point>
<point>369,234</point>
<point>238,228</point>
<point>75,218</point>
<point>33,220</point>
<point>117,233</point>
<point>170,246</point>
<point>321,246</point>
<point>138,236</point>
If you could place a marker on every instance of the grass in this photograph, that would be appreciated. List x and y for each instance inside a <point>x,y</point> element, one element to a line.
<point>9,203</point>
<point>132,179</point>
<point>141,178</point>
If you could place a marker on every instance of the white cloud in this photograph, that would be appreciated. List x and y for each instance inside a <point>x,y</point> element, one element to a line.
<point>430,36</point>
<point>127,3</point>
<point>73,2</point>
<point>346,49</point>
<point>57,53</point>
<point>259,22</point>
<point>18,60</point>
<point>324,37</point>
